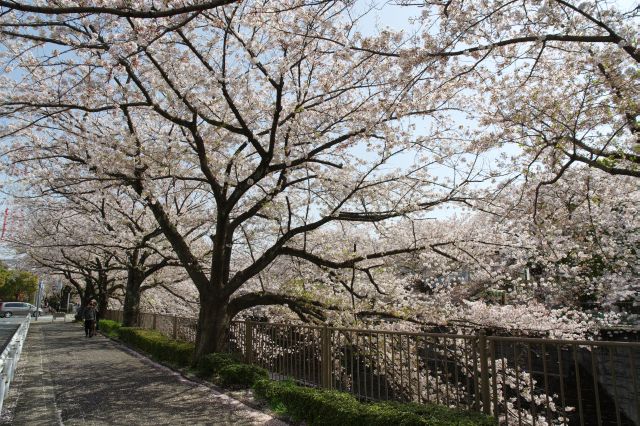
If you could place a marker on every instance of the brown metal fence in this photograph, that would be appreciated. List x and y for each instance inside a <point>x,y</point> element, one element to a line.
<point>175,327</point>
<point>518,380</point>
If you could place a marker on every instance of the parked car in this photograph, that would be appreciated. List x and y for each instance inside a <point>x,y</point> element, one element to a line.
<point>9,309</point>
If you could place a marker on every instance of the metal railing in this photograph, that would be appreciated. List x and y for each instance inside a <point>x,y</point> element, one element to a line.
<point>531,381</point>
<point>10,356</point>
<point>175,327</point>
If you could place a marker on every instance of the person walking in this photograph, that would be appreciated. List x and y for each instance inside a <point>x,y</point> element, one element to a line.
<point>90,315</point>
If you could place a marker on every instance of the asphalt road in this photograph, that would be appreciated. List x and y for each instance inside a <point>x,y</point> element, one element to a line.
<point>8,327</point>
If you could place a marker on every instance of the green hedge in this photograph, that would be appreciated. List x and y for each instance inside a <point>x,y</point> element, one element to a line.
<point>158,345</point>
<point>109,327</point>
<point>212,364</point>
<point>241,375</point>
<point>315,406</point>
<point>227,370</point>
<point>328,407</point>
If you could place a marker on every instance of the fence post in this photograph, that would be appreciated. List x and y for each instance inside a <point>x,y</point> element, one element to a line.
<point>175,327</point>
<point>154,321</point>
<point>248,342</point>
<point>484,372</point>
<point>325,360</point>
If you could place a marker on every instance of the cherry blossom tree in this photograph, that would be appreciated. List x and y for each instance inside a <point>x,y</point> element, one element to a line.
<point>39,11</point>
<point>281,132</point>
<point>557,79</point>
<point>59,241</point>
<point>100,221</point>
<point>575,265</point>
<point>306,149</point>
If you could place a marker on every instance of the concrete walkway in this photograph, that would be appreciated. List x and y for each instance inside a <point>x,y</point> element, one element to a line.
<point>64,378</point>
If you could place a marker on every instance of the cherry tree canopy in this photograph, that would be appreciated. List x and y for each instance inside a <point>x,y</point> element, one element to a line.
<point>257,112</point>
<point>557,79</point>
<point>260,135</point>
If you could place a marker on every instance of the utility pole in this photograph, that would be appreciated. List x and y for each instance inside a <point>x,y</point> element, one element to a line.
<point>60,290</point>
<point>39,297</point>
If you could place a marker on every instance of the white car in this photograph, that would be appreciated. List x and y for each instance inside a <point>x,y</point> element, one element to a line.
<point>9,309</point>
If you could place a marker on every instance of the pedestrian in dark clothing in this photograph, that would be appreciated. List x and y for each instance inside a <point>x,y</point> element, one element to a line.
<point>90,316</point>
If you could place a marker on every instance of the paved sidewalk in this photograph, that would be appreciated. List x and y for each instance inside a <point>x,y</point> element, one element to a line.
<point>66,379</point>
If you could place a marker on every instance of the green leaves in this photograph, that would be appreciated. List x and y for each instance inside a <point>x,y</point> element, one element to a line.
<point>111,328</point>
<point>240,375</point>
<point>158,345</point>
<point>330,407</point>
<point>17,285</point>
<point>607,162</point>
<point>228,371</point>
<point>212,363</point>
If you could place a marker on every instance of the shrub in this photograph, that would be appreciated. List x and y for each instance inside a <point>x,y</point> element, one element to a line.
<point>242,375</point>
<point>158,345</point>
<point>227,370</point>
<point>212,363</point>
<point>311,405</point>
<point>328,407</point>
<point>436,414</point>
<point>109,327</point>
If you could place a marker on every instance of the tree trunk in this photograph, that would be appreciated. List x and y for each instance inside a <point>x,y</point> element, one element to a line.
<point>131,308</point>
<point>213,325</point>
<point>102,297</point>
<point>86,296</point>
